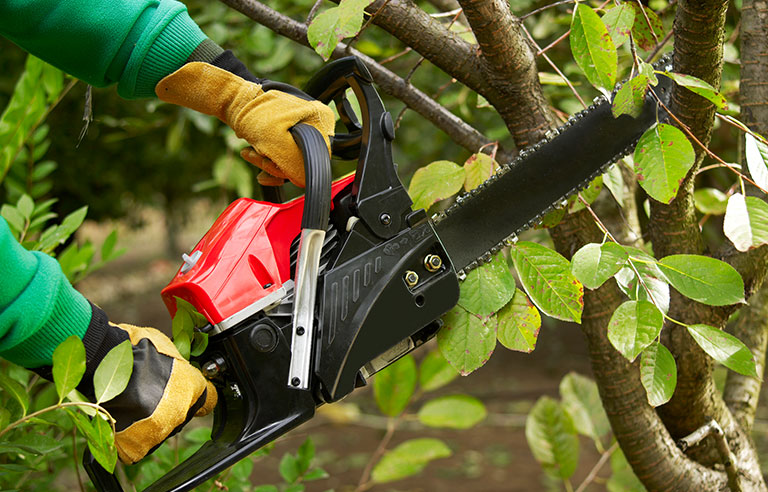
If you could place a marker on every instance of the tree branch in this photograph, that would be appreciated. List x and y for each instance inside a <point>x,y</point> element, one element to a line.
<point>511,69</point>
<point>649,448</point>
<point>459,131</point>
<point>699,28</point>
<point>741,392</point>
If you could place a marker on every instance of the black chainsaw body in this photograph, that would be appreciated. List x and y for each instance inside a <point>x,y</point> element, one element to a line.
<point>370,310</point>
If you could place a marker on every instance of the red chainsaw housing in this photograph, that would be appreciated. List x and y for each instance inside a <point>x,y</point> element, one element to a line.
<point>245,256</point>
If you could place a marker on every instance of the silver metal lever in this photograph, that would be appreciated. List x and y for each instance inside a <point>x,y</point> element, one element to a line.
<point>304,294</point>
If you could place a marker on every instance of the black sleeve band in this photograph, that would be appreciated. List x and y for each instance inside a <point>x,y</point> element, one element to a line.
<point>229,62</point>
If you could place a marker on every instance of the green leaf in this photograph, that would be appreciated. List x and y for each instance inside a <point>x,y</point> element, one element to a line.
<point>547,279</point>
<point>630,98</point>
<point>595,263</point>
<point>315,474</point>
<point>662,159</point>
<point>618,21</point>
<point>646,36</point>
<point>746,222</point>
<point>487,288</point>
<point>13,217</point>
<point>25,206</point>
<point>305,455</point>
<point>756,153</point>
<point>68,365</point>
<point>651,276</point>
<point>335,24</point>
<point>199,344</point>
<point>614,181</point>
<point>658,374</point>
<point>633,326</point>
<point>648,70</point>
<point>623,479</point>
<point>699,87</point>
<point>435,372</point>
<point>409,458</point>
<point>266,488</point>
<point>704,279</point>
<point>36,443</point>
<point>394,385</point>
<point>113,373</point>
<point>478,168</point>
<point>101,439</point>
<point>552,438</point>
<point>589,195</point>
<point>242,470</point>
<point>452,412</point>
<point>725,349</point>
<point>592,47</point>
<point>5,417</point>
<point>710,201</point>
<point>435,182</point>
<point>183,344</point>
<point>519,324</point>
<point>582,402</point>
<point>15,391</point>
<point>289,468</point>
<point>108,246</point>
<point>466,340</point>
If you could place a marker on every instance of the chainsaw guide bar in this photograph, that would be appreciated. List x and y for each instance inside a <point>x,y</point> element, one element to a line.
<point>483,221</point>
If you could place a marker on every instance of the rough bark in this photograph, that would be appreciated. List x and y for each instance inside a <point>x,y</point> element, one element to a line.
<point>699,33</point>
<point>649,448</point>
<point>511,69</point>
<point>753,90</point>
<point>518,99</point>
<point>742,393</point>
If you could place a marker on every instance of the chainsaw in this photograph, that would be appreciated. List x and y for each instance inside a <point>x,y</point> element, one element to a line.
<point>306,300</point>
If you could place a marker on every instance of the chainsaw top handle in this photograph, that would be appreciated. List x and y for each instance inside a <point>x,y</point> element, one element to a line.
<point>379,198</point>
<point>317,204</point>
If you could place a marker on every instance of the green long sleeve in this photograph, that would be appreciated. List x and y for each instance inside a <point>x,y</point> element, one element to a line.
<point>133,43</point>
<point>38,307</point>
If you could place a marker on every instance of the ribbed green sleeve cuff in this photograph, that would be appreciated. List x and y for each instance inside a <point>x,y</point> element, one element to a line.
<point>160,51</point>
<point>40,309</point>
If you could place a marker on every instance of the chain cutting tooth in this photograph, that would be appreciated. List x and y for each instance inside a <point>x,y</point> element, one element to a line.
<point>462,275</point>
<point>552,133</point>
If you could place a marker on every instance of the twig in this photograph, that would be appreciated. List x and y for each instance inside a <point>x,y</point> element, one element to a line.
<point>554,67</point>
<point>541,9</point>
<point>365,26</point>
<point>364,483</point>
<point>313,11</point>
<point>688,131</point>
<point>647,21</point>
<point>712,428</point>
<point>595,469</point>
<point>77,465</point>
<point>659,46</point>
<point>396,56</point>
<point>553,43</point>
<point>55,407</point>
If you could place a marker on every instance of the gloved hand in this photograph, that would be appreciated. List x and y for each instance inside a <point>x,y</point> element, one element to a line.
<point>164,393</point>
<point>262,118</point>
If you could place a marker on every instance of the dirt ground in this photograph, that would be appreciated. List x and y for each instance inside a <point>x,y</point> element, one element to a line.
<point>493,456</point>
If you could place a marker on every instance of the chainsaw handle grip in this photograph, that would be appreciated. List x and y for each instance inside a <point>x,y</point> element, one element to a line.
<point>317,171</point>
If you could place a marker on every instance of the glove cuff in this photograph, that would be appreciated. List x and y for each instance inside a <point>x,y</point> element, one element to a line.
<point>99,338</point>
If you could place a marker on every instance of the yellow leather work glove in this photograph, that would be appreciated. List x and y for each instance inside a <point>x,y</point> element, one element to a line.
<point>164,393</point>
<point>261,118</point>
